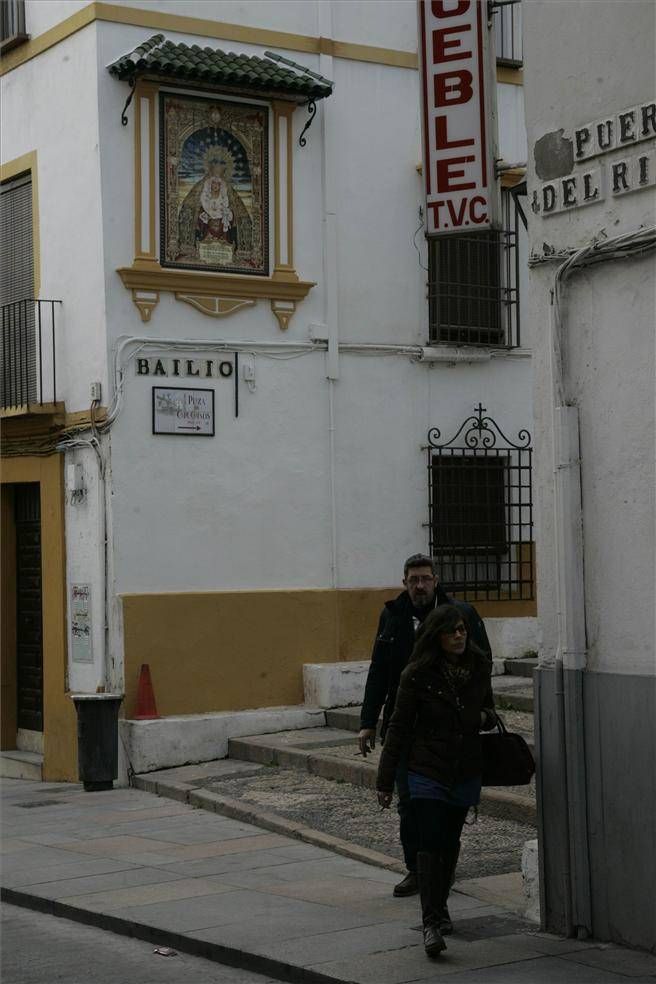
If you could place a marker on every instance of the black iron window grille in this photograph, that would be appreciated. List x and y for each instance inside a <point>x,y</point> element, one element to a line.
<point>480,504</point>
<point>473,284</point>
<point>28,368</point>
<point>508,34</point>
<point>12,24</point>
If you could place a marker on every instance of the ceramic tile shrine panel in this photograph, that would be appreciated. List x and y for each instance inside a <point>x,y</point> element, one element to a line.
<point>214,185</point>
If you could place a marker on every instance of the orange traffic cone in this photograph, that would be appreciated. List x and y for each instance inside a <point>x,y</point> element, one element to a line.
<point>146,707</point>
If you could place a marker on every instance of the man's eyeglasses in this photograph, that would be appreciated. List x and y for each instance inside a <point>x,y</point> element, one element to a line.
<point>458,630</point>
<point>420,579</point>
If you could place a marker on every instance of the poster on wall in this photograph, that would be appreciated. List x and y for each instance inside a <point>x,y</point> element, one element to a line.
<point>81,650</point>
<point>214,190</point>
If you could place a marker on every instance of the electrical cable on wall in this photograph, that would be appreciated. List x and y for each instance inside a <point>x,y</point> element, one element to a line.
<point>629,245</point>
<point>414,238</point>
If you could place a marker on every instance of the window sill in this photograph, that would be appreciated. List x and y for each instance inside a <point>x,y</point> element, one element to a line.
<point>13,42</point>
<point>451,354</point>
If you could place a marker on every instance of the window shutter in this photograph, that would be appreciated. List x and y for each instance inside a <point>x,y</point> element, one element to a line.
<point>16,247</point>
<point>18,382</point>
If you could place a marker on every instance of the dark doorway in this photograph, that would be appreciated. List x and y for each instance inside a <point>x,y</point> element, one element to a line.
<point>29,623</point>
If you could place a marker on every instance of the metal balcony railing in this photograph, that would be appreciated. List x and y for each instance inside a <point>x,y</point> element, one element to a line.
<point>28,369</point>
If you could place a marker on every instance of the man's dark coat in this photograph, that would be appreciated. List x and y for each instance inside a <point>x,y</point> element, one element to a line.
<point>395,639</point>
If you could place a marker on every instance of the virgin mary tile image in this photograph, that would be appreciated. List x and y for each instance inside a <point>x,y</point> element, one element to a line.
<point>214,185</point>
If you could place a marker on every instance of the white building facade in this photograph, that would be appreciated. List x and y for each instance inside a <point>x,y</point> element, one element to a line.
<point>591,119</point>
<point>234,461</point>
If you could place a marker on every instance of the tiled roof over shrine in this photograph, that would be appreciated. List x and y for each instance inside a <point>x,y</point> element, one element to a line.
<point>161,58</point>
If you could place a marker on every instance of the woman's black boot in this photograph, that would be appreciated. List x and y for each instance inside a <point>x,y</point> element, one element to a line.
<point>449,859</point>
<point>430,892</point>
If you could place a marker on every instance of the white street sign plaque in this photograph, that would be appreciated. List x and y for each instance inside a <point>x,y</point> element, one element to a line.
<point>188,412</point>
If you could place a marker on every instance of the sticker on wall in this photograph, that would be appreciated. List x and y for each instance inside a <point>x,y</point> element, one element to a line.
<point>81,649</point>
<point>186,412</point>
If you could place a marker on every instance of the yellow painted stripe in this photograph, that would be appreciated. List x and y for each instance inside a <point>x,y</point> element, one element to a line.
<point>157,21</point>
<point>220,30</point>
<point>25,52</point>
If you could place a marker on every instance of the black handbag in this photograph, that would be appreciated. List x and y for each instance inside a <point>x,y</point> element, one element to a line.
<point>507,759</point>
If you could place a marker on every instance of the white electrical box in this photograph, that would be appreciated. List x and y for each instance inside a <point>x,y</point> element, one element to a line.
<point>74,478</point>
<point>96,392</point>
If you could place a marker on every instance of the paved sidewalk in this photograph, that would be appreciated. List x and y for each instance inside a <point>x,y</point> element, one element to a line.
<point>131,862</point>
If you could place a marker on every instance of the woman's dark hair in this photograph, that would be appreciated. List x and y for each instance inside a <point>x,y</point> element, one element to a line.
<point>427,646</point>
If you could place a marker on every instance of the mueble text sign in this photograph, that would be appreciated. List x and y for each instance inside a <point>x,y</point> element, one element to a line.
<point>457,116</point>
<point>185,412</point>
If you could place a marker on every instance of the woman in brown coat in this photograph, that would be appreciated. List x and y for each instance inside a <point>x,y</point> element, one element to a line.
<point>444,700</point>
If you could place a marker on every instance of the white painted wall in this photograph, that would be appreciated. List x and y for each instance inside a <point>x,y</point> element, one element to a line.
<point>41,15</point>
<point>251,508</point>
<point>85,565</point>
<point>609,317</point>
<point>49,104</point>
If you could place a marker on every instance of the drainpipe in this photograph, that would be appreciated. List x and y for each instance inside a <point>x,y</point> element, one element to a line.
<point>571,654</point>
<point>330,276</point>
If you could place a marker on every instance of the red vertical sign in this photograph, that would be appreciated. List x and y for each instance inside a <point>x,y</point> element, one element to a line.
<point>457,123</point>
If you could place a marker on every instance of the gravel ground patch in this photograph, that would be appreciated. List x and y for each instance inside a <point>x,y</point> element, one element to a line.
<point>518,721</point>
<point>347,752</point>
<point>490,846</point>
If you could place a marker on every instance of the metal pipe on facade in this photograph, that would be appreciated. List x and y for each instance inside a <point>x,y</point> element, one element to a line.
<point>571,651</point>
<point>330,277</point>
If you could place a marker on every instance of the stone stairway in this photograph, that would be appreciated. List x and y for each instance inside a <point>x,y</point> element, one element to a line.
<point>331,752</point>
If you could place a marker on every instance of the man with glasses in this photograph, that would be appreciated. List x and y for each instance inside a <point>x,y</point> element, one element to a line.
<point>395,638</point>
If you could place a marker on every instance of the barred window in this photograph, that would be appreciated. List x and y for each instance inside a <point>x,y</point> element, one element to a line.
<point>480,510</point>
<point>469,512</point>
<point>473,284</point>
<point>508,35</point>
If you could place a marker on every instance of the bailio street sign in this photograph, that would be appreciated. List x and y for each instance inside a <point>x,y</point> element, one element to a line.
<point>458,116</point>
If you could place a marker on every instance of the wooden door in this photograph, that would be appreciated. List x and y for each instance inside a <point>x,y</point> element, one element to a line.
<point>29,623</point>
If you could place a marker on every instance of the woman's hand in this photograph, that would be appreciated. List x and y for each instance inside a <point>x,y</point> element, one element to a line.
<point>384,800</point>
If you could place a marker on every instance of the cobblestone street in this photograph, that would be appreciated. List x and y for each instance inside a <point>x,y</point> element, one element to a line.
<point>490,846</point>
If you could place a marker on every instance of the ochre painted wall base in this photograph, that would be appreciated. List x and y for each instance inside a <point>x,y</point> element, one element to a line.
<point>234,650</point>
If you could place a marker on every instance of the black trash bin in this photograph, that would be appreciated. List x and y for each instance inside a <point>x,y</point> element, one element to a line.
<point>97,739</point>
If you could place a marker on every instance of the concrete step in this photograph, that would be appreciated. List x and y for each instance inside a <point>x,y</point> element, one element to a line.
<point>524,667</point>
<point>341,762</point>
<point>510,694</point>
<point>345,718</point>
<point>516,699</point>
<point>17,764</point>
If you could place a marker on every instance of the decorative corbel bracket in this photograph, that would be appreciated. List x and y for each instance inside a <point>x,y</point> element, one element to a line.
<point>216,295</point>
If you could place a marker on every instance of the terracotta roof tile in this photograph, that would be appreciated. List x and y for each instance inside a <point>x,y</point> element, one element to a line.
<point>225,69</point>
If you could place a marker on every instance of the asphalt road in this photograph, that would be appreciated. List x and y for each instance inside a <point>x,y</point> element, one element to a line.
<point>42,949</point>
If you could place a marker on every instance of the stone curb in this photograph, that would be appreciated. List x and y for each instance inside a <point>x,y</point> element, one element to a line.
<point>228,956</point>
<point>509,806</point>
<point>236,810</point>
<point>494,802</point>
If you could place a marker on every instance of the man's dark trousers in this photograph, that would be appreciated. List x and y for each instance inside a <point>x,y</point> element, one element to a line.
<point>408,832</point>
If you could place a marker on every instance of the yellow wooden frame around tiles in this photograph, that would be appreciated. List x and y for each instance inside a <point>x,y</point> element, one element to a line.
<point>214,294</point>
